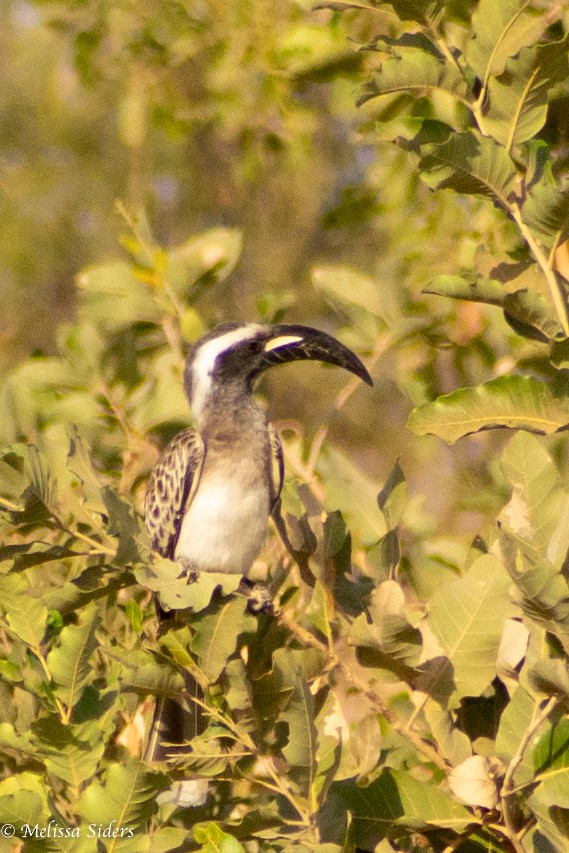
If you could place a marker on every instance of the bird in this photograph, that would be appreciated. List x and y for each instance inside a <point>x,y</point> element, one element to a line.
<point>213,489</point>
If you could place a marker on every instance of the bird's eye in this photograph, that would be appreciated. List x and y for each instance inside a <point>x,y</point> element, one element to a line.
<point>254,347</point>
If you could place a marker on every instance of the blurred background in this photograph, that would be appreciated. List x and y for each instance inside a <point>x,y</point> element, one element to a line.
<point>191,115</point>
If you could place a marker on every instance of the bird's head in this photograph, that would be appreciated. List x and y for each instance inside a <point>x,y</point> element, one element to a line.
<point>235,354</point>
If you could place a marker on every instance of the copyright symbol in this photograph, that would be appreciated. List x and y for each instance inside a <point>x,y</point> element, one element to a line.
<point>7,830</point>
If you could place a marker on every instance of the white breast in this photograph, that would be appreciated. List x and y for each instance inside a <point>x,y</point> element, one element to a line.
<point>226,524</point>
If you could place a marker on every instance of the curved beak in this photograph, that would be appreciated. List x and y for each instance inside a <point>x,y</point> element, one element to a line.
<point>296,343</point>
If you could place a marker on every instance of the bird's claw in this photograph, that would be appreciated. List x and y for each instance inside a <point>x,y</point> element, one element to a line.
<point>259,597</point>
<point>187,571</point>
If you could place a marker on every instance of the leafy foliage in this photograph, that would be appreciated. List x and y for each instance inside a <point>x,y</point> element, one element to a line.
<point>411,689</point>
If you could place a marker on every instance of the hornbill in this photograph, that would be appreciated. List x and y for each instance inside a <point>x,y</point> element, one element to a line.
<point>211,493</point>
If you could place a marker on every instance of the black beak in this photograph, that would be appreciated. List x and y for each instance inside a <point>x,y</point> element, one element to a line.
<point>297,343</point>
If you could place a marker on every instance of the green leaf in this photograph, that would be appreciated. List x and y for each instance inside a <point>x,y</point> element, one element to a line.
<point>546,208</point>
<point>36,494</point>
<point>551,759</point>
<point>298,712</point>
<point>213,253</point>
<point>559,354</point>
<point>396,798</point>
<point>123,523</point>
<point>384,626</point>
<point>23,800</point>
<point>10,739</point>
<point>70,661</point>
<point>214,840</point>
<point>27,616</point>
<point>31,554</point>
<point>516,106</point>
<point>392,498</point>
<point>453,744</point>
<point>552,826</point>
<point>469,163</point>
<point>467,617</point>
<point>417,10</point>
<point>413,65</point>
<point>301,748</point>
<point>531,316</point>
<point>65,754</point>
<point>126,797</point>
<point>515,721</point>
<point>112,297</point>
<point>499,31</point>
<point>349,286</point>
<point>543,593</point>
<point>516,402</point>
<point>175,593</point>
<point>477,289</point>
<point>216,635</point>
<point>80,464</point>
<point>406,10</point>
<point>550,677</point>
<point>353,493</point>
<point>537,513</point>
<point>143,674</point>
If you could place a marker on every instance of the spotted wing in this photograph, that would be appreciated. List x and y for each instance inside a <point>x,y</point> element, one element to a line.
<point>277,466</point>
<point>170,490</point>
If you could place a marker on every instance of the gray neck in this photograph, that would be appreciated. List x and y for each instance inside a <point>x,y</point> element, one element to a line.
<point>231,412</point>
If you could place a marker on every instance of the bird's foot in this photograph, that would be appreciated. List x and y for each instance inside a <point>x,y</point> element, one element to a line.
<point>259,597</point>
<point>187,570</point>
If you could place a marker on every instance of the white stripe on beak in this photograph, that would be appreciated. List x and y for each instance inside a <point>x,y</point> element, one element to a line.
<point>282,341</point>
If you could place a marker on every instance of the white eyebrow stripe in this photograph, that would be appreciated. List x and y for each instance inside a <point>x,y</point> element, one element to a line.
<point>204,362</point>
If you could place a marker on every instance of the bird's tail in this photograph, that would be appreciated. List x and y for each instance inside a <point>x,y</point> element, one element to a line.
<point>175,723</point>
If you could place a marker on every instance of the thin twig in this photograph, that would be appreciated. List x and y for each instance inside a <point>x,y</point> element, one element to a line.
<point>538,717</point>
<point>547,266</point>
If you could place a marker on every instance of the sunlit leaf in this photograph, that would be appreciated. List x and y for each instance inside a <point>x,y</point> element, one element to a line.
<point>499,31</point>
<point>515,721</point>
<point>471,782</point>
<point>413,64</point>
<point>393,496</point>
<point>469,163</point>
<point>216,636</point>
<point>517,98</point>
<point>354,493</point>
<point>384,626</point>
<point>550,677</point>
<point>126,795</point>
<point>22,801</point>
<point>546,206</point>
<point>379,808</point>
<point>518,402</point>
<point>214,840</point>
<point>212,253</point>
<point>349,286</point>
<point>65,754</point>
<point>513,647</point>
<point>477,289</point>
<point>531,315</point>
<point>176,593</point>
<point>551,759</point>
<point>26,616</point>
<point>467,617</point>
<point>452,743</point>
<point>113,297</point>
<point>537,512</point>
<point>70,661</point>
<point>80,464</point>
